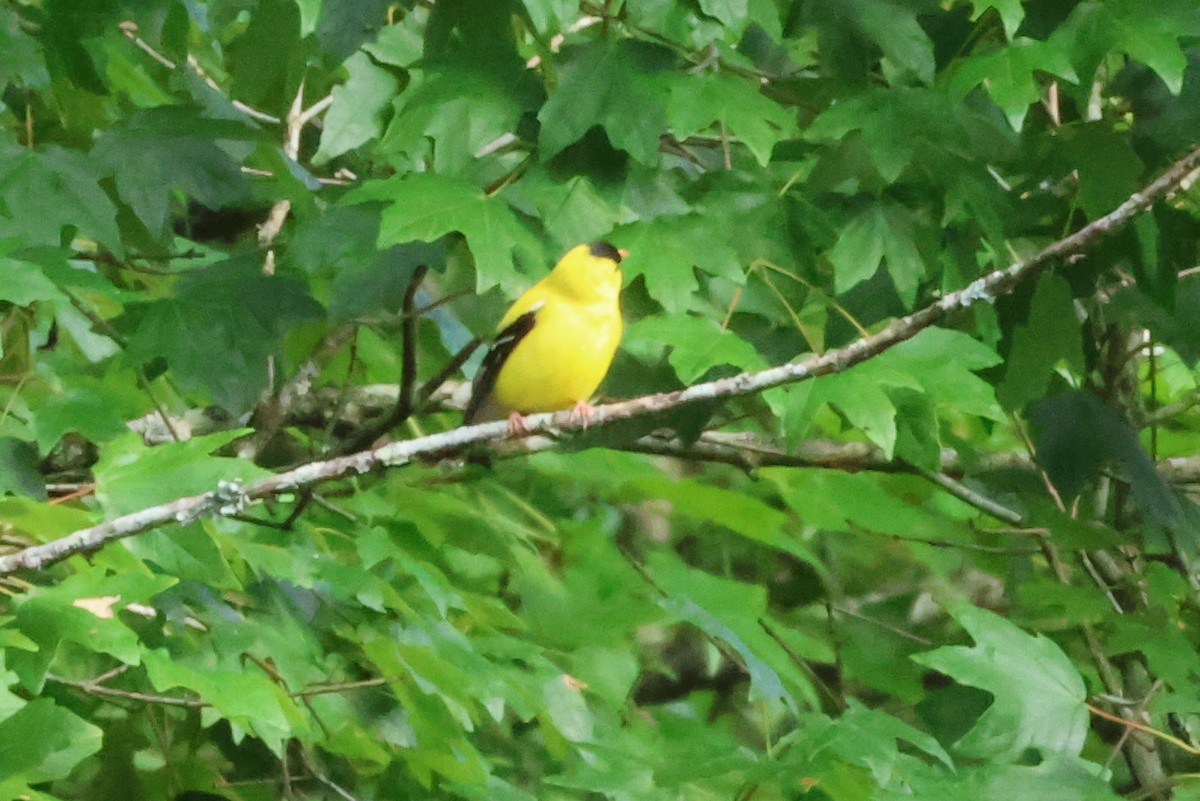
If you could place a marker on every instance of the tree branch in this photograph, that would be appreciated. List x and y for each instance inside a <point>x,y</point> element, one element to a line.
<point>230,499</point>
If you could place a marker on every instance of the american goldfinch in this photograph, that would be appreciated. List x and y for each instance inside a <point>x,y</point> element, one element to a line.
<point>556,343</point>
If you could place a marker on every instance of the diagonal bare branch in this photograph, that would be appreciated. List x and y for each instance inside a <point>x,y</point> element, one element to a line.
<point>229,500</point>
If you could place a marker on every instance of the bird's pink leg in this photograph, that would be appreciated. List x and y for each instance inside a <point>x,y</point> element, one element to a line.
<point>517,426</point>
<point>581,413</point>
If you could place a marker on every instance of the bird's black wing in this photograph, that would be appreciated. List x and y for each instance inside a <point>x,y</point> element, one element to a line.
<point>496,356</point>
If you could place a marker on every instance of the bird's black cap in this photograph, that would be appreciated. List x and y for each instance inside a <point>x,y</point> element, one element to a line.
<point>604,250</point>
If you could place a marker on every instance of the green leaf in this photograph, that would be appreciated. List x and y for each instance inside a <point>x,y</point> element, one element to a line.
<point>344,25</point>
<point>1109,169</point>
<point>84,610</point>
<point>696,345</point>
<point>615,776</point>
<point>831,500</point>
<point>25,283</point>
<point>262,58</point>
<point>907,49</point>
<point>1010,11</point>
<point>51,190</point>
<point>43,521</point>
<point>43,742</point>
<point>731,611</point>
<point>1165,253</point>
<point>904,263</point>
<point>608,672</point>
<point>737,511</point>
<point>859,249</point>
<point>881,234</point>
<point>613,84</point>
<point>1008,74</point>
<point>77,275</point>
<point>937,362</point>
<point>679,23</point>
<point>1057,777</point>
<point>1050,337</point>
<point>917,436</point>
<point>24,62</point>
<point>728,12</point>
<point>575,210</point>
<point>859,394</point>
<point>493,789</point>
<point>666,252</point>
<point>912,126</point>
<point>944,363</point>
<point>80,330</point>
<point>339,247</point>
<point>10,702</point>
<point>310,11</point>
<point>1077,436</point>
<point>131,476</point>
<point>69,61</point>
<point>699,102</point>
<point>1123,26</point>
<point>460,108</point>
<point>244,316</point>
<point>1173,326</point>
<point>250,700</point>
<point>356,114</point>
<point>97,410</point>
<point>399,45</point>
<point>19,472</point>
<point>1057,603</point>
<point>426,207</point>
<point>161,150</point>
<point>1169,652</point>
<point>869,737</point>
<point>589,602</point>
<point>567,709</point>
<point>1038,697</point>
<point>186,552</point>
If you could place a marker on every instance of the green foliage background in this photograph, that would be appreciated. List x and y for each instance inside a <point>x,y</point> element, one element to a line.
<point>811,621</point>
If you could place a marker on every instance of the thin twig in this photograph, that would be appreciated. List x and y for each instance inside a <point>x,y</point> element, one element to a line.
<point>1052,490</point>
<point>1164,413</point>
<point>998,550</point>
<point>1138,708</point>
<point>1133,724</point>
<point>773,632</point>
<point>1090,567</point>
<point>425,392</point>
<point>320,776</point>
<point>313,111</point>
<point>883,624</point>
<point>92,687</point>
<point>408,344</point>
<point>109,331</point>
<point>273,414</point>
<point>409,398</point>
<point>130,29</point>
<point>971,497</point>
<point>279,211</point>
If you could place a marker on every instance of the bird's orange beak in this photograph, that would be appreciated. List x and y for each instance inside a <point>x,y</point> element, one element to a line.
<point>624,253</point>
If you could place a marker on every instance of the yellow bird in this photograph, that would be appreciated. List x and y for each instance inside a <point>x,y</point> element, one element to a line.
<point>556,343</point>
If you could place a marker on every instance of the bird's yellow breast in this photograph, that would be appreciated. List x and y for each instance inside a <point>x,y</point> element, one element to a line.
<point>564,358</point>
